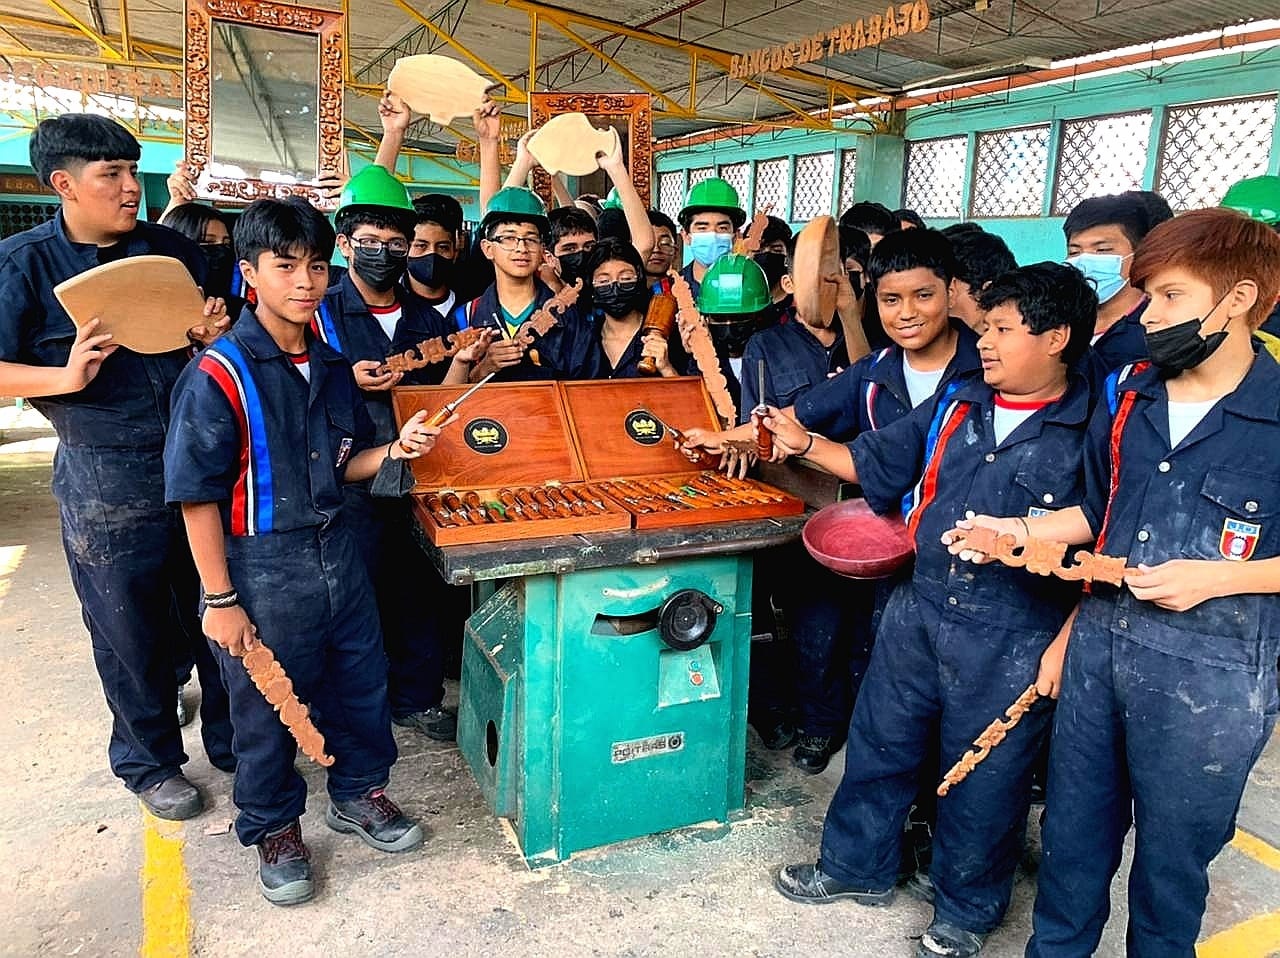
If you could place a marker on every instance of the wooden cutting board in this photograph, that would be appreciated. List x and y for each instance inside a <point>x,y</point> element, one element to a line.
<point>568,143</point>
<point>147,303</point>
<point>814,267</point>
<point>438,87</point>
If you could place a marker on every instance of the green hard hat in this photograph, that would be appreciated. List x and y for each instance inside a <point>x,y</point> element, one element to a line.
<point>713,194</point>
<point>519,204</point>
<point>1257,197</point>
<point>734,285</point>
<point>374,186</point>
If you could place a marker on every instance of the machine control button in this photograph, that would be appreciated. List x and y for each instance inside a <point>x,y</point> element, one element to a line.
<point>696,678</point>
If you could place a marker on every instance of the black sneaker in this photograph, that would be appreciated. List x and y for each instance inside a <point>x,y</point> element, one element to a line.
<point>943,940</point>
<point>813,752</point>
<point>284,867</point>
<point>438,723</point>
<point>778,735</point>
<point>174,799</point>
<point>810,885</point>
<point>377,820</point>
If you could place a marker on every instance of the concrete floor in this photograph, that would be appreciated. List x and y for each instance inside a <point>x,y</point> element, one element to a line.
<point>72,850</point>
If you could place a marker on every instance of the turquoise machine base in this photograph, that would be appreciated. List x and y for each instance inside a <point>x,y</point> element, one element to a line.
<point>583,728</point>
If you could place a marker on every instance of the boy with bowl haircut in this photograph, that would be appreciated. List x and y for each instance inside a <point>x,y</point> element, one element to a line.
<point>955,648</point>
<point>268,424</point>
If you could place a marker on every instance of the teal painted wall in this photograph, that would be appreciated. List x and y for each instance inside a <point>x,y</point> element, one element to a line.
<point>880,158</point>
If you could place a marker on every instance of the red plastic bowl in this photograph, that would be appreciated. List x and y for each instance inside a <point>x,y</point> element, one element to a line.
<point>848,538</point>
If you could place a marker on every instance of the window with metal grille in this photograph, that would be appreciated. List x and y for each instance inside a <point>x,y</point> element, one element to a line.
<point>671,192</point>
<point>772,186</point>
<point>1009,172</point>
<point>738,175</point>
<point>16,217</point>
<point>848,172</point>
<point>1100,155</point>
<point>1205,147</point>
<point>700,174</point>
<point>935,176</point>
<point>815,176</point>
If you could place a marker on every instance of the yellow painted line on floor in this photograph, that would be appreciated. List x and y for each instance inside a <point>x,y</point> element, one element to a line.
<point>1256,938</point>
<point>10,559</point>
<point>166,893</point>
<point>1257,849</point>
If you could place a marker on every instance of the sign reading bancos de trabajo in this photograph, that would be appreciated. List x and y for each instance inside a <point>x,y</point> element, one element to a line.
<point>896,21</point>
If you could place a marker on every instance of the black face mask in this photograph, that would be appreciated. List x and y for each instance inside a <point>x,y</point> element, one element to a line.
<point>619,299</point>
<point>220,259</point>
<point>774,266</point>
<point>380,270</point>
<point>571,265</point>
<point>432,271</point>
<point>730,338</point>
<point>1178,348</point>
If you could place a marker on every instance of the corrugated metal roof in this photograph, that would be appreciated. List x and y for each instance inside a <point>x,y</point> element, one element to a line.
<point>958,38</point>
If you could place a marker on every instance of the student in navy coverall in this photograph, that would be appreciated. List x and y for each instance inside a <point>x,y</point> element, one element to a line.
<point>267,426</point>
<point>129,564</point>
<point>1168,693</point>
<point>956,647</point>
<point>368,316</point>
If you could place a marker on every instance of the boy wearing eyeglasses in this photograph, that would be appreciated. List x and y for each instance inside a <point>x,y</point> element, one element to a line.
<point>367,316</point>
<point>514,234</point>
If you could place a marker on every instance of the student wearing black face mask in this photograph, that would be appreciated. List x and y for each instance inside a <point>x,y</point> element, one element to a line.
<point>772,258</point>
<point>433,250</point>
<point>210,229</point>
<point>367,316</point>
<point>621,297</point>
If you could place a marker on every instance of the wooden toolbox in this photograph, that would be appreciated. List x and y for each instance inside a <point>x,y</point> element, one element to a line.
<point>526,460</point>
<point>507,469</point>
<point>618,428</point>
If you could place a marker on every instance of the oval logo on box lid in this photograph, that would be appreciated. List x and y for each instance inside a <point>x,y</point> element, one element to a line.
<point>643,428</point>
<point>485,436</point>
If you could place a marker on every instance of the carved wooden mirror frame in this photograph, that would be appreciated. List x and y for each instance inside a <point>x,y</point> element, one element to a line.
<point>198,128</point>
<point>635,108</point>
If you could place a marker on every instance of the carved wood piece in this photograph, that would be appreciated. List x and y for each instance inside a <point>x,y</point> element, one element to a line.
<point>1043,557</point>
<point>633,107</point>
<point>269,676</point>
<point>154,323</point>
<point>991,736</point>
<point>696,339</point>
<point>815,264</point>
<point>438,87</point>
<point>568,143</point>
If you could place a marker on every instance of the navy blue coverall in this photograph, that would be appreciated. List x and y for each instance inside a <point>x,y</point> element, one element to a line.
<point>956,645</point>
<point>835,622</point>
<point>402,575</point>
<point>126,549</point>
<point>1162,714</point>
<point>565,352</point>
<point>794,362</point>
<point>251,434</point>
<point>599,366</point>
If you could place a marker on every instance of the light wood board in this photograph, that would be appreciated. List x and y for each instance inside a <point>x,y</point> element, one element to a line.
<point>146,303</point>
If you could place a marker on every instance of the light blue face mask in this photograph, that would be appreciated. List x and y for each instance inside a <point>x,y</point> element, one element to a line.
<point>706,248</point>
<point>1103,271</point>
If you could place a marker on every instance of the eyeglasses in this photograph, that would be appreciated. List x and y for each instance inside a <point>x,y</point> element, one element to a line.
<point>666,244</point>
<point>396,247</point>
<point>509,242</point>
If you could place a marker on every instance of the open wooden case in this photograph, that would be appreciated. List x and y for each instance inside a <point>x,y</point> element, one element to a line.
<point>526,460</point>
<point>618,426</point>
<point>510,440</point>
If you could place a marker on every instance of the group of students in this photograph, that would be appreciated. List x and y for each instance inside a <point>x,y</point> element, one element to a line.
<point>254,483</point>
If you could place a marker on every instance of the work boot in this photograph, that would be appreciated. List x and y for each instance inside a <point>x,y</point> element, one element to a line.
<point>920,887</point>
<point>810,885</point>
<point>174,799</point>
<point>284,866</point>
<point>814,752</point>
<point>438,723</point>
<point>944,940</point>
<point>377,820</point>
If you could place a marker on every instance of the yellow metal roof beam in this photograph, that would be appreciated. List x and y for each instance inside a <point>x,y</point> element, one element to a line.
<point>674,107</point>
<point>512,90</point>
<point>710,54</point>
<point>84,28</point>
<point>26,54</point>
<point>62,29</point>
